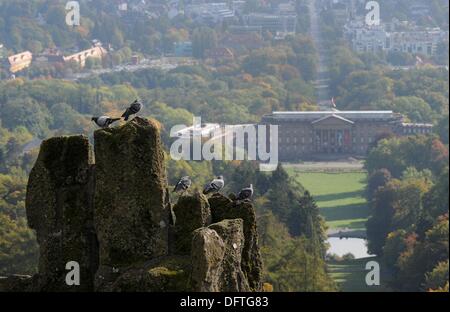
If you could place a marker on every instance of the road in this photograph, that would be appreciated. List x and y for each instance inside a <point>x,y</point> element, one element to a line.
<point>348,165</point>
<point>321,84</point>
<point>164,63</point>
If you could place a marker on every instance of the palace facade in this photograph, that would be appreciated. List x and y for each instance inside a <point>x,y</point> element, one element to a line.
<point>308,135</point>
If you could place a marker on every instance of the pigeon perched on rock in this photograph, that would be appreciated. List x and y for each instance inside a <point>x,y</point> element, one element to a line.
<point>134,108</point>
<point>104,121</point>
<point>214,186</point>
<point>183,185</point>
<point>246,193</point>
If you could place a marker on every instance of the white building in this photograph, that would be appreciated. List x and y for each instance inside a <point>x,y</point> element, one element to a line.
<point>215,12</point>
<point>365,38</point>
<point>423,42</point>
<point>2,52</point>
<point>275,23</point>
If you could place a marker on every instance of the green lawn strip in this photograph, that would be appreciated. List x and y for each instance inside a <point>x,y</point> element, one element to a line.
<point>350,275</point>
<point>340,196</point>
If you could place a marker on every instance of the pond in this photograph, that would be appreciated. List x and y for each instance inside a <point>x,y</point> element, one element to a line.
<point>340,247</point>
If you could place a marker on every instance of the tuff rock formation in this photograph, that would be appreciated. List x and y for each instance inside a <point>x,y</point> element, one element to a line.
<point>192,212</point>
<point>115,219</point>
<point>59,206</point>
<point>131,215</point>
<point>225,208</point>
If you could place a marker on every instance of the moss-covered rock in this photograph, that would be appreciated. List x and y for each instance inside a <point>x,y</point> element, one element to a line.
<point>191,212</point>
<point>59,206</point>
<point>216,258</point>
<point>131,215</point>
<point>19,283</point>
<point>232,278</point>
<point>123,200</point>
<point>208,251</point>
<point>224,208</point>
<point>166,274</point>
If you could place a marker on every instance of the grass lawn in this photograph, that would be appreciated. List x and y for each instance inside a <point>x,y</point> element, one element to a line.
<point>340,196</point>
<point>350,276</point>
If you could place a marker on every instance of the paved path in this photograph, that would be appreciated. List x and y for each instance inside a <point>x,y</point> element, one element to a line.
<point>327,166</point>
<point>164,63</point>
<point>321,84</point>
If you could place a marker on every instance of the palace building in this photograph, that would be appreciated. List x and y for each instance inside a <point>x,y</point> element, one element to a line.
<point>309,135</point>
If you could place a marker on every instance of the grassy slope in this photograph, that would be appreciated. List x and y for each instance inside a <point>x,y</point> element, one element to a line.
<point>351,275</point>
<point>340,196</point>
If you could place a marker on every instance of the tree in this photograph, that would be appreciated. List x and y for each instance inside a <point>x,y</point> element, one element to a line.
<point>379,178</point>
<point>438,277</point>
<point>442,129</point>
<point>416,109</point>
<point>307,221</point>
<point>203,38</point>
<point>28,113</point>
<point>18,247</point>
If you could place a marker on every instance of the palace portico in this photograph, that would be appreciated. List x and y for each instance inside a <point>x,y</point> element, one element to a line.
<point>303,135</point>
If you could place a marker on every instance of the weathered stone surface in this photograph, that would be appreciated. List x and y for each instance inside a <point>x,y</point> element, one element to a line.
<point>216,258</point>
<point>232,278</point>
<point>131,215</point>
<point>224,208</point>
<point>167,274</point>
<point>18,283</point>
<point>191,212</point>
<point>208,251</point>
<point>59,206</point>
<point>123,200</point>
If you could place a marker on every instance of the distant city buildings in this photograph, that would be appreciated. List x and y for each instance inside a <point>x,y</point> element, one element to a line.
<point>2,52</point>
<point>210,13</point>
<point>183,49</point>
<point>19,61</point>
<point>274,23</point>
<point>414,40</point>
<point>97,52</point>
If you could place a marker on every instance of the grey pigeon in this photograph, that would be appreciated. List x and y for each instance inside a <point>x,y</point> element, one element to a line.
<point>214,186</point>
<point>245,193</point>
<point>183,185</point>
<point>104,121</point>
<point>134,108</point>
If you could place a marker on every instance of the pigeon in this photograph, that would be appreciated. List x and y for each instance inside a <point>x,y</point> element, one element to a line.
<point>104,121</point>
<point>214,186</point>
<point>245,193</point>
<point>183,185</point>
<point>134,108</point>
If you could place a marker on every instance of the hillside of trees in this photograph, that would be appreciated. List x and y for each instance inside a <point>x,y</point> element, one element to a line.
<point>408,195</point>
